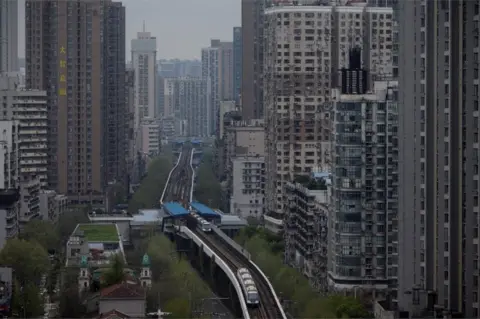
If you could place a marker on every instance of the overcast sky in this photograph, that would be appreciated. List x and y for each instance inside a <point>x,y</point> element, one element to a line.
<point>182,27</point>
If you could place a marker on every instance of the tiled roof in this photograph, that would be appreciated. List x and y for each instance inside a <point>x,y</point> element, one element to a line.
<point>113,314</point>
<point>123,291</point>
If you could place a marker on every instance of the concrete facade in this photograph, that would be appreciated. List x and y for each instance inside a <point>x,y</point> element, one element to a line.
<point>85,89</point>
<point>438,178</point>
<point>9,36</point>
<point>305,48</point>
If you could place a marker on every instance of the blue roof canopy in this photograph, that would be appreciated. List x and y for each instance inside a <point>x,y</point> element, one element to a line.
<point>203,210</point>
<point>175,209</point>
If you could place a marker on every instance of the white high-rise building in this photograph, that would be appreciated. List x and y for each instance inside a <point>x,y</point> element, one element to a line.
<point>29,109</point>
<point>144,59</point>
<point>9,36</point>
<point>305,48</point>
<point>9,148</point>
<point>210,73</point>
<point>185,101</point>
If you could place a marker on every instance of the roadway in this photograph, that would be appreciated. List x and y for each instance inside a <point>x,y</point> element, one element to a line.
<point>178,188</point>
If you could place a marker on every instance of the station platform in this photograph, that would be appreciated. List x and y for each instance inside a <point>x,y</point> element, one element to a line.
<point>203,210</point>
<point>174,209</point>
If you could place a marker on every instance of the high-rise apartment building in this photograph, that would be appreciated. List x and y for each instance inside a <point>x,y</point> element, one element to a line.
<point>363,208</point>
<point>149,137</point>
<point>217,70</point>
<point>211,75</point>
<point>144,60</point>
<point>226,66</point>
<point>29,109</point>
<point>190,101</point>
<point>76,52</point>
<point>185,101</point>
<point>9,154</point>
<point>439,152</point>
<point>9,36</point>
<point>237,64</point>
<point>129,126</point>
<point>306,46</point>
<point>252,58</point>
<point>306,228</point>
<point>8,214</point>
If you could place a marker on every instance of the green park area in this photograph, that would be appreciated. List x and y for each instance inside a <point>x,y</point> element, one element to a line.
<point>99,232</point>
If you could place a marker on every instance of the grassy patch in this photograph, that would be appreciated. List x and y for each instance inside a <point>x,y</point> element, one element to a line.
<point>99,232</point>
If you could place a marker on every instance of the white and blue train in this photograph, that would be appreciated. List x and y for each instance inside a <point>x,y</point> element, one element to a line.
<point>249,288</point>
<point>202,223</point>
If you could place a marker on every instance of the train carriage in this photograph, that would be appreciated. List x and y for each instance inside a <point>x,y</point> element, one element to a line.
<point>248,287</point>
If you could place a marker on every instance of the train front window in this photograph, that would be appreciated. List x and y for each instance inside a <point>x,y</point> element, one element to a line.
<point>252,296</point>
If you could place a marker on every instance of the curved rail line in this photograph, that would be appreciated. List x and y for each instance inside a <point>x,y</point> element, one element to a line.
<point>179,187</point>
<point>267,306</point>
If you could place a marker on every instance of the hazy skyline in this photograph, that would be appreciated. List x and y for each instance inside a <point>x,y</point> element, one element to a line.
<point>182,27</point>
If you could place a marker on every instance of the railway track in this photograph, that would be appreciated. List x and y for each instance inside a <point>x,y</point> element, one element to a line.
<point>267,308</point>
<point>178,188</point>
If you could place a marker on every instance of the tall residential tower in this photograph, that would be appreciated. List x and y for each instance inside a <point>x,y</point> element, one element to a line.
<point>9,35</point>
<point>76,52</point>
<point>144,59</point>
<point>439,155</point>
<point>305,48</point>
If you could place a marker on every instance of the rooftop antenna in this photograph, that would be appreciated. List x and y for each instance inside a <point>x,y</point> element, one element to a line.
<point>143,25</point>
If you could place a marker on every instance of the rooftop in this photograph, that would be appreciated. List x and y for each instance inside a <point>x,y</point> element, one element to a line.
<point>113,314</point>
<point>232,220</point>
<point>99,232</point>
<point>175,209</point>
<point>204,210</point>
<point>123,291</point>
<point>311,183</point>
<point>148,216</point>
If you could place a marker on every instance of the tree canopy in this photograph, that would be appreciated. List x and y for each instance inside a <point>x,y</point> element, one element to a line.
<point>43,232</point>
<point>116,273</point>
<point>70,305</point>
<point>208,189</point>
<point>175,283</point>
<point>69,220</point>
<point>28,259</point>
<point>150,190</point>
<point>266,250</point>
<point>27,301</point>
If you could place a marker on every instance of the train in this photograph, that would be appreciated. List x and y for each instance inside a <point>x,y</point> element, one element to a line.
<point>249,288</point>
<point>202,223</point>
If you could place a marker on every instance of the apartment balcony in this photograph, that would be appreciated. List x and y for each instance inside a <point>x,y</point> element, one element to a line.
<point>12,230</point>
<point>36,169</point>
<point>33,132</point>
<point>36,139</point>
<point>29,145</point>
<point>33,162</point>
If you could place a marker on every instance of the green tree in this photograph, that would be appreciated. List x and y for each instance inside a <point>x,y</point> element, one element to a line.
<point>68,221</point>
<point>116,273</point>
<point>208,189</point>
<point>290,284</point>
<point>41,232</point>
<point>173,277</point>
<point>179,308</point>
<point>70,305</point>
<point>29,260</point>
<point>27,301</point>
<point>150,190</point>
